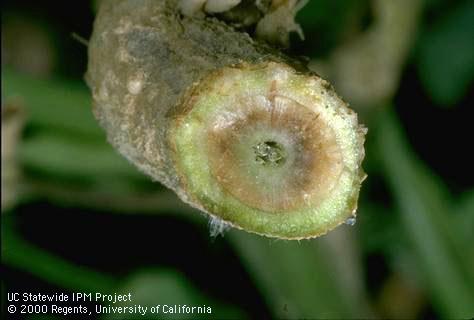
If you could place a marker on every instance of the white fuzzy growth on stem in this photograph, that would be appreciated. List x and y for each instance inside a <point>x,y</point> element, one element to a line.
<point>217,227</point>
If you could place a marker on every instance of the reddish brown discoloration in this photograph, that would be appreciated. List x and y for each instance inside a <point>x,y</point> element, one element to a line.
<point>314,155</point>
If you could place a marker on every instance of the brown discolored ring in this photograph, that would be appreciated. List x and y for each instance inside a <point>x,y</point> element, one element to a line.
<point>308,175</point>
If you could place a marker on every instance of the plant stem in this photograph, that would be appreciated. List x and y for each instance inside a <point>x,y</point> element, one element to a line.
<point>188,99</point>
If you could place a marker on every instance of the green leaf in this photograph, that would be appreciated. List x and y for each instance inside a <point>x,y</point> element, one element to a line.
<point>57,155</point>
<point>162,290</point>
<point>465,216</point>
<point>445,57</point>
<point>326,21</point>
<point>24,256</point>
<point>297,279</point>
<point>53,104</point>
<point>431,226</point>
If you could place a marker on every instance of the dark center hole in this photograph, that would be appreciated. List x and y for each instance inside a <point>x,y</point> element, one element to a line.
<point>269,153</point>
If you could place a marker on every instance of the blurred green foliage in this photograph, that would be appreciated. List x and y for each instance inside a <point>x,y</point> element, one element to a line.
<point>445,56</point>
<point>442,256</point>
<point>423,231</point>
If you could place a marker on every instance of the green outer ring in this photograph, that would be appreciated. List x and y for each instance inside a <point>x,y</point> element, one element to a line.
<point>191,159</point>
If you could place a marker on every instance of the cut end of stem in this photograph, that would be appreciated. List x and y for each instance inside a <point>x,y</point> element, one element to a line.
<point>269,151</point>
